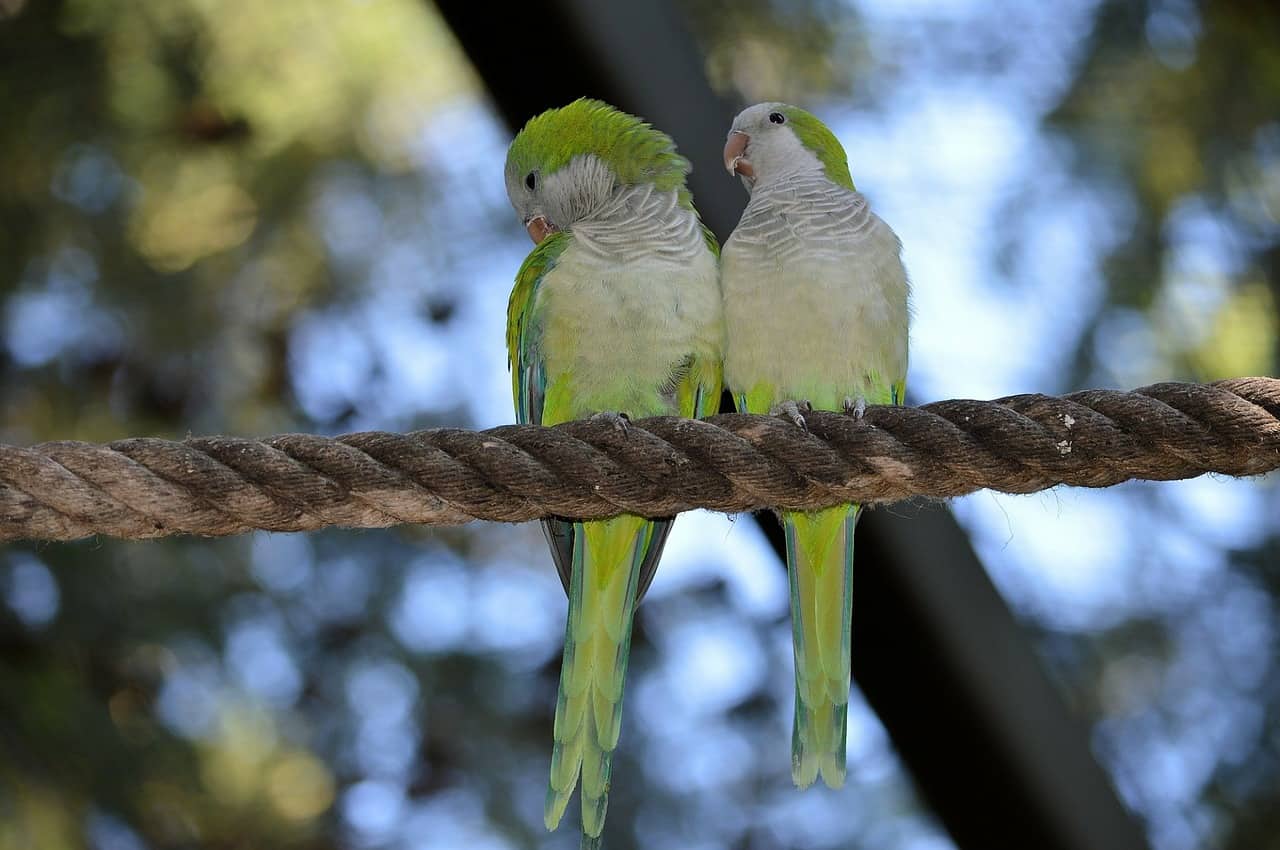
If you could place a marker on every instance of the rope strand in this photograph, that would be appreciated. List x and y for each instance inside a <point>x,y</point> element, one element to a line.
<point>145,487</point>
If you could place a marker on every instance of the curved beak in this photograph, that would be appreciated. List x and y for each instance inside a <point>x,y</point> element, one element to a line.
<point>539,228</point>
<point>735,154</point>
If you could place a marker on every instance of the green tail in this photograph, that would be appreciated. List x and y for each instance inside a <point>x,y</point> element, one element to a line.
<point>607,562</point>
<point>820,564</point>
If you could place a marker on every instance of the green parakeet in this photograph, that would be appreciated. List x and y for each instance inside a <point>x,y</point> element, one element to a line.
<point>616,312</point>
<point>816,314</point>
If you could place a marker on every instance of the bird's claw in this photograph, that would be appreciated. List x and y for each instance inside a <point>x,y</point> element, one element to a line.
<point>855,407</point>
<point>792,410</point>
<point>620,421</point>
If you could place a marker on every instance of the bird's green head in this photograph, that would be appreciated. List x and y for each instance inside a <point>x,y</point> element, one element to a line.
<point>776,141</point>
<point>566,162</point>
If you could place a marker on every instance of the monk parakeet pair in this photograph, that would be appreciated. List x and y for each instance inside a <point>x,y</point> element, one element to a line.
<point>623,309</point>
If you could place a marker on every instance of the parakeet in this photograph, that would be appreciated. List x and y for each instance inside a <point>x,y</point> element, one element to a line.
<point>616,313</point>
<point>816,313</point>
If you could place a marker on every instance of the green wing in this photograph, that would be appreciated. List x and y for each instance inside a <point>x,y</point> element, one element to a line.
<point>713,245</point>
<point>524,350</point>
<point>700,379</point>
<point>695,386</point>
<point>528,375</point>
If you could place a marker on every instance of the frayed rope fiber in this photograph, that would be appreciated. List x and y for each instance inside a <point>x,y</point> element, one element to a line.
<point>144,487</point>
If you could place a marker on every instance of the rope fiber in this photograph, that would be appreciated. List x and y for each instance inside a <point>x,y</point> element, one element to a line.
<point>591,469</point>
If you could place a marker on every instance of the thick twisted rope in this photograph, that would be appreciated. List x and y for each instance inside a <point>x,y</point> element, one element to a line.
<point>655,467</point>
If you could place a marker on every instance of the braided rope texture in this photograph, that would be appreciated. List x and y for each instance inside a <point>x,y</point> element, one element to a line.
<point>144,487</point>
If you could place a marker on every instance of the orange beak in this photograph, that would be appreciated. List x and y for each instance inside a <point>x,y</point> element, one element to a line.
<point>539,228</point>
<point>735,154</point>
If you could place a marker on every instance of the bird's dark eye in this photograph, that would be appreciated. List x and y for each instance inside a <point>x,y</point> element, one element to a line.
<point>531,180</point>
<point>777,118</point>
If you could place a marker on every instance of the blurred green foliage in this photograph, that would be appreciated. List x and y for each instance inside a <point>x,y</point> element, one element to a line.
<point>159,163</point>
<point>1178,108</point>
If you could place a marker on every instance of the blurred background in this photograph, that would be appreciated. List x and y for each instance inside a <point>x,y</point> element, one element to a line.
<point>247,218</point>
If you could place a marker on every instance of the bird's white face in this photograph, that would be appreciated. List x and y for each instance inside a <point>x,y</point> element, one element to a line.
<point>548,203</point>
<point>761,147</point>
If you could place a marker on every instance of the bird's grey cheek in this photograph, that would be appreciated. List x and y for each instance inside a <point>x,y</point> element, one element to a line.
<point>553,211</point>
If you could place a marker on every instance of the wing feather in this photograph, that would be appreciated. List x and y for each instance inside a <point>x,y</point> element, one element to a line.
<point>528,373</point>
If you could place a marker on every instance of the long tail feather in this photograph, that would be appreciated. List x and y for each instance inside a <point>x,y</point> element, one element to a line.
<point>820,565</point>
<point>607,562</point>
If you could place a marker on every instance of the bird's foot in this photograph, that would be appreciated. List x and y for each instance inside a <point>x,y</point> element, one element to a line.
<point>855,407</point>
<point>619,420</point>
<point>793,410</point>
